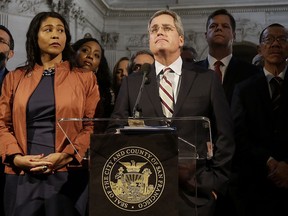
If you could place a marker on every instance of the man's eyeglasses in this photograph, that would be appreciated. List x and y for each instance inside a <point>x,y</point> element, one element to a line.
<point>270,40</point>
<point>2,41</point>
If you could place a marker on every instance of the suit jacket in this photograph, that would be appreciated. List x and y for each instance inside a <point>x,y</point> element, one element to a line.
<point>236,72</point>
<point>259,135</point>
<point>200,94</point>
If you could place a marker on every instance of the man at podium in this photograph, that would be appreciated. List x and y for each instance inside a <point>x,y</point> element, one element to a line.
<point>174,88</point>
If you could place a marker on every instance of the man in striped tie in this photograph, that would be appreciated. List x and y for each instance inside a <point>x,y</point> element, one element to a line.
<point>260,110</point>
<point>179,89</point>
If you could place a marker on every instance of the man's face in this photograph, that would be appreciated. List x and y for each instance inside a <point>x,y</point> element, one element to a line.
<point>5,47</point>
<point>122,71</point>
<point>163,36</point>
<point>140,60</point>
<point>220,32</point>
<point>274,46</point>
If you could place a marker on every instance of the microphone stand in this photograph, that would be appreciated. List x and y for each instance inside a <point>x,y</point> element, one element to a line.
<point>137,112</point>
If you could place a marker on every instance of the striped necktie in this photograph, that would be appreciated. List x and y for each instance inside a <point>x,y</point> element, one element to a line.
<point>166,92</point>
<point>276,86</point>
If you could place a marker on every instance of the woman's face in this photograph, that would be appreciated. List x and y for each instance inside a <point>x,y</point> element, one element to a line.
<point>89,55</point>
<point>51,37</point>
<point>122,71</point>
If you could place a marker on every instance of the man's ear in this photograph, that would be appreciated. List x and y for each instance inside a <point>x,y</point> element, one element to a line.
<point>181,40</point>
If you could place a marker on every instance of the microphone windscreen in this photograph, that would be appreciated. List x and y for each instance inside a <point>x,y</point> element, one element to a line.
<point>145,68</point>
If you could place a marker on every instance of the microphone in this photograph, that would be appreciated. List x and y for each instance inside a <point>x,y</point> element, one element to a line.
<point>145,69</point>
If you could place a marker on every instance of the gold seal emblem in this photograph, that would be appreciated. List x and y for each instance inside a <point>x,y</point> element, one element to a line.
<point>133,178</point>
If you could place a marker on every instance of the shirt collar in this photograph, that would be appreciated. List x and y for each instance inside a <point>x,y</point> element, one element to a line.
<point>269,75</point>
<point>176,66</point>
<point>225,60</point>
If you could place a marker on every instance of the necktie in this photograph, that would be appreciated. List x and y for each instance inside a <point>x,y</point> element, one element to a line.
<point>276,86</point>
<point>166,93</point>
<point>217,65</point>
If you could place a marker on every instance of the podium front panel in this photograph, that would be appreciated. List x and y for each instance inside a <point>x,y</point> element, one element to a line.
<point>128,174</point>
<point>139,165</point>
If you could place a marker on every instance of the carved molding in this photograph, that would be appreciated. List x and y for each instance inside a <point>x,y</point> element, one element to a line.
<point>67,8</point>
<point>137,41</point>
<point>109,40</point>
<point>198,10</point>
<point>4,4</point>
<point>30,7</point>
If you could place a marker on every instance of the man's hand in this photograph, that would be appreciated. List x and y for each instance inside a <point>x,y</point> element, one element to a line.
<point>278,173</point>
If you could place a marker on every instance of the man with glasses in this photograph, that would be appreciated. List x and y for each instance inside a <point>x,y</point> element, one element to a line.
<point>192,91</point>
<point>260,111</point>
<point>6,52</point>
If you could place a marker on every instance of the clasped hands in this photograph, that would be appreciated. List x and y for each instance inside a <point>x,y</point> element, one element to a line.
<point>278,173</point>
<point>40,164</point>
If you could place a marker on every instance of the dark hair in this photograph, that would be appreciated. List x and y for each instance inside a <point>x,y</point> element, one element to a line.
<point>132,63</point>
<point>222,12</point>
<point>32,47</point>
<point>193,53</point>
<point>11,42</point>
<point>115,87</point>
<point>103,75</point>
<point>271,25</point>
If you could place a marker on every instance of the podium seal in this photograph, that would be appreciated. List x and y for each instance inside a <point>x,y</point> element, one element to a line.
<point>133,178</point>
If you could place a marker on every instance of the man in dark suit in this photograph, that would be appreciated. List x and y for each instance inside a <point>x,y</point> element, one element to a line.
<point>196,92</point>
<point>6,52</point>
<point>220,35</point>
<point>260,111</point>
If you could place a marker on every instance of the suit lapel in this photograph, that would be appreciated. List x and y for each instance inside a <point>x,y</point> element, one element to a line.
<point>229,74</point>
<point>152,91</point>
<point>262,87</point>
<point>285,90</point>
<point>29,83</point>
<point>187,79</point>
